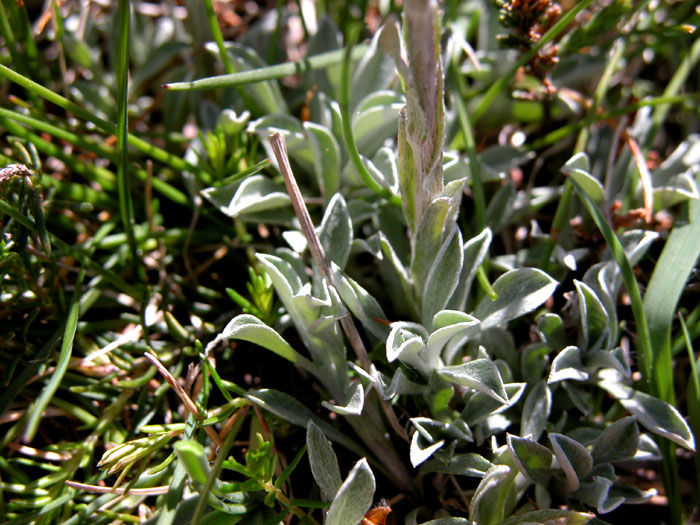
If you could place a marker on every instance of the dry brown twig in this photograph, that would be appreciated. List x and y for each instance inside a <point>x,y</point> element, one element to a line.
<point>279,147</point>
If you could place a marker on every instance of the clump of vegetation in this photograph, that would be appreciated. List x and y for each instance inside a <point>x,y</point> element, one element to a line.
<point>349,262</point>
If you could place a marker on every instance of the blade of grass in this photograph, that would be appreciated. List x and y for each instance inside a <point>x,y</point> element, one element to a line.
<point>350,144</point>
<point>143,146</point>
<point>685,68</point>
<point>30,368</point>
<point>694,329</point>
<point>10,40</point>
<point>285,69</point>
<point>77,253</point>
<point>693,395</point>
<point>470,147</point>
<point>168,509</point>
<point>562,132</point>
<point>223,53</point>
<point>126,205</point>
<point>21,18</point>
<point>221,455</point>
<point>474,172</point>
<point>102,176</point>
<point>644,348</point>
<point>218,37</point>
<point>37,408</point>
<point>654,380</point>
<point>504,79</point>
<point>106,177</point>
<point>252,170</point>
<point>665,287</point>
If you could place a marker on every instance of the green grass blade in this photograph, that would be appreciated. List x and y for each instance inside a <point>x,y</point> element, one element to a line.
<point>686,67</point>
<point>10,40</point>
<point>218,37</point>
<point>101,175</point>
<point>31,54</point>
<point>611,66</point>
<point>77,253</point>
<point>168,509</point>
<point>470,146</point>
<point>665,287</point>
<point>143,146</point>
<point>651,368</point>
<point>562,132</point>
<point>20,380</point>
<point>693,395</point>
<point>290,468</point>
<point>350,144</point>
<point>285,69</point>
<point>646,355</point>
<point>36,410</point>
<point>126,205</point>
<point>221,456</point>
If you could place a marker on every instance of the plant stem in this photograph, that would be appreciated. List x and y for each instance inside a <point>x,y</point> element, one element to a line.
<point>280,149</point>
<point>286,69</point>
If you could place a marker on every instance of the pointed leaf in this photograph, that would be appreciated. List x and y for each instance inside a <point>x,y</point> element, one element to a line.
<point>487,507</point>
<point>594,318</point>
<point>335,232</point>
<point>326,158</point>
<point>578,169</point>
<point>361,304</point>
<point>615,359</point>
<point>481,375</point>
<point>288,408</point>
<point>531,458</point>
<point>285,280</point>
<point>480,405</point>
<point>550,328</point>
<point>354,405</point>
<point>567,365</point>
<point>354,498</point>
<point>617,442</point>
<point>573,458</point>
<point>324,464</point>
<point>373,126</point>
<point>656,415</point>
<point>255,194</point>
<point>443,276</point>
<point>519,291</point>
<point>405,341</point>
<point>417,454</point>
<point>249,328</point>
<point>538,405</point>
<point>431,234</point>
<point>596,494</point>
<point>451,325</point>
<point>475,250</point>
<point>468,464</point>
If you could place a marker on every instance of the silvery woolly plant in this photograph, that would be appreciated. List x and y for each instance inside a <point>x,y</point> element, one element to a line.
<point>452,352</point>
